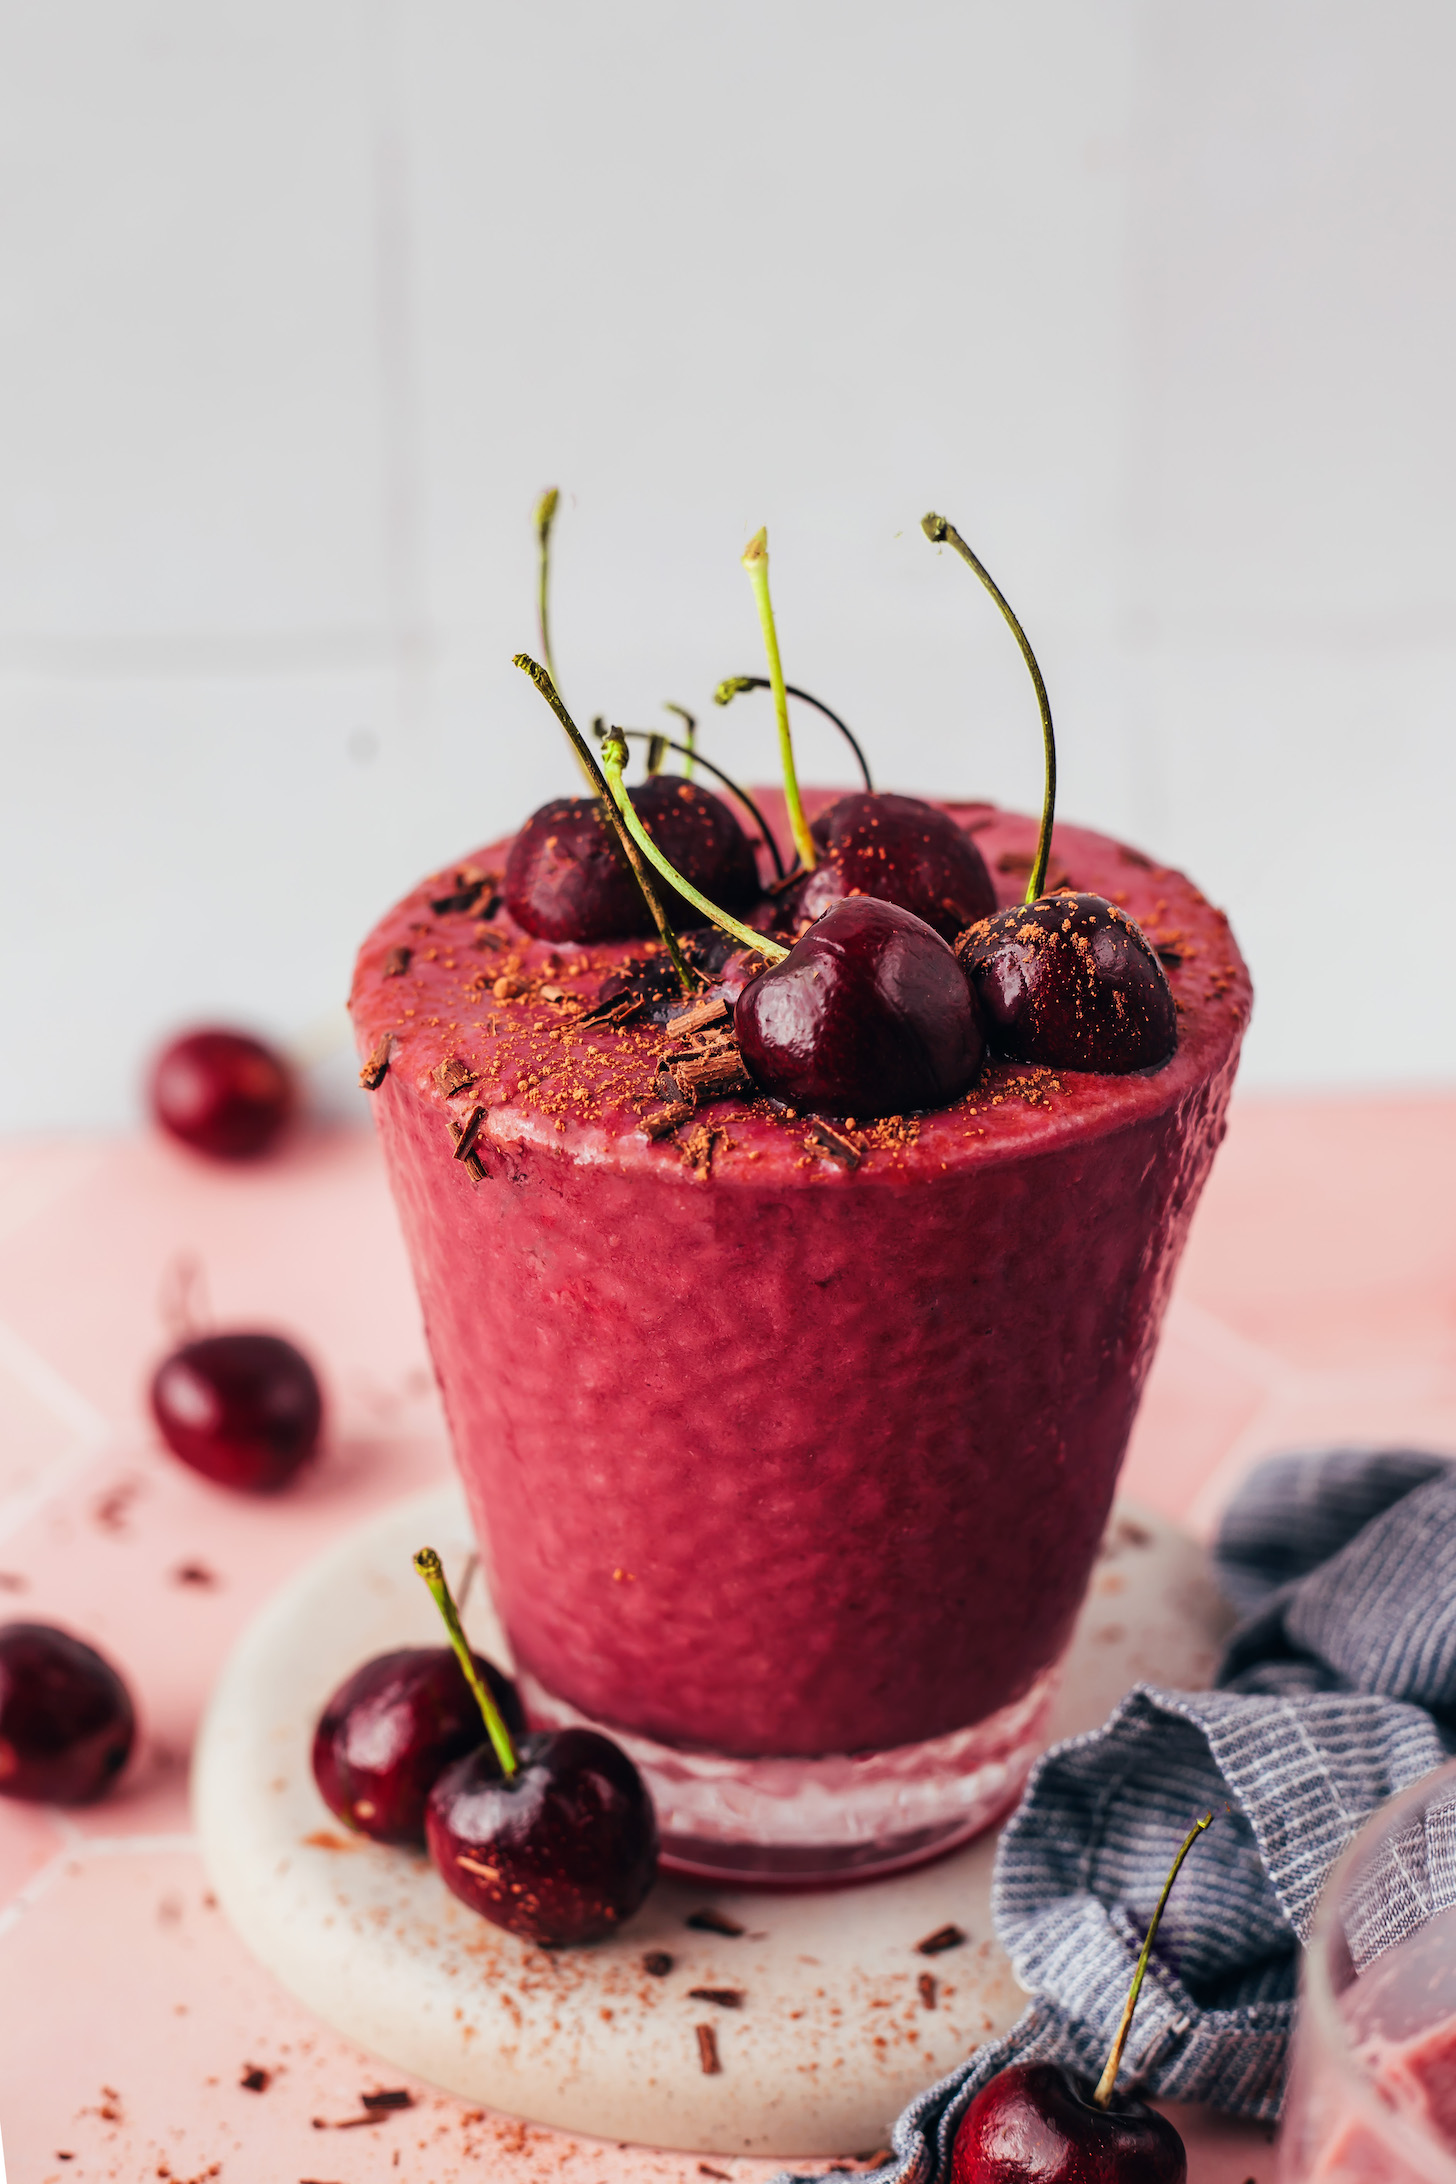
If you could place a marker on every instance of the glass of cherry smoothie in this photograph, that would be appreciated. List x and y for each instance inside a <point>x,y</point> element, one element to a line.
<point>1372,2087</point>
<point>789,1468</point>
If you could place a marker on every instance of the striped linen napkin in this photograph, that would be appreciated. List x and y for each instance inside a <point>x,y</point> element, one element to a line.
<point>1336,1690</point>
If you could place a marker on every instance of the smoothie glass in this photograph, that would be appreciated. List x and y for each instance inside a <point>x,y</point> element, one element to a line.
<point>1372,2089</point>
<point>788,1475</point>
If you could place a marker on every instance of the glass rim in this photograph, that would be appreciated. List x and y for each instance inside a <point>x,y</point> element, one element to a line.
<point>1417,2144</point>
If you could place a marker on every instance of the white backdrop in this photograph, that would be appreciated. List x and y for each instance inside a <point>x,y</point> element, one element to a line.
<point>303,302</point>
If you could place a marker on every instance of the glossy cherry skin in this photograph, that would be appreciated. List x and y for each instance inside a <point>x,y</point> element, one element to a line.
<point>66,1720</point>
<point>868,1014</point>
<point>222,1093</point>
<point>560,1852</point>
<point>1032,2124</point>
<point>898,850</point>
<point>567,879</point>
<point>244,1410</point>
<point>390,1731</point>
<point>1069,981</point>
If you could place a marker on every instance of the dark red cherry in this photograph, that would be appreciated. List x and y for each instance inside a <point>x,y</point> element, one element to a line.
<point>899,850</point>
<point>244,1410</point>
<point>390,1731</point>
<point>567,879</point>
<point>66,1720</point>
<point>1069,981</point>
<point>868,1014</point>
<point>1032,2124</point>
<point>560,1852</point>
<point>222,1093</point>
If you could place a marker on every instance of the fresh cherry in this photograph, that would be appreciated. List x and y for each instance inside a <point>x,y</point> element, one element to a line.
<point>244,1410</point>
<point>1034,2122</point>
<point>222,1093</point>
<point>567,879</point>
<point>899,850</point>
<point>390,1731</point>
<point>66,1720</point>
<point>1070,981</point>
<point>868,1014</point>
<point>561,1851</point>
<point>554,1836</point>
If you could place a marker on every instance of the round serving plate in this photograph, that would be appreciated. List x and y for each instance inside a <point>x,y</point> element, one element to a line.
<point>803,2030</point>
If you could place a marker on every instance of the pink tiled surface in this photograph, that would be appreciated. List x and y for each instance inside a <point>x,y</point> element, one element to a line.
<point>1317,1301</point>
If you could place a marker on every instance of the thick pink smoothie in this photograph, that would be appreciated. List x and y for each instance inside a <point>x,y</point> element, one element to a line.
<point>776,1457</point>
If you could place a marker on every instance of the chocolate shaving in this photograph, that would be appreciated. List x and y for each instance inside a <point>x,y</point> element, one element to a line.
<point>1170,958</point>
<point>454,1075</point>
<point>376,1069</point>
<point>833,1144</point>
<point>617,1008</point>
<point>466,895</point>
<point>711,1921</point>
<point>699,1147</point>
<point>708,2051</point>
<point>727,1998</point>
<point>944,1937</point>
<point>385,2103</point>
<point>484,938</point>
<point>698,1015</point>
<point>929,1988</point>
<point>194,1573</point>
<point>657,1964</point>
<point>712,1075</point>
<point>469,1132</point>
<point>396,963</point>
<point>255,2080</point>
<point>349,2123</point>
<point>469,1158</point>
<point>704,2169</point>
<point>666,1120</point>
<point>667,1087</point>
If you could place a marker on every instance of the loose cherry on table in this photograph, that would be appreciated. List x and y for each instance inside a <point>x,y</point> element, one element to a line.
<point>1034,2123</point>
<point>66,1719</point>
<point>390,1731</point>
<point>899,850</point>
<point>243,1409</point>
<point>554,1836</point>
<point>566,877</point>
<point>1071,982</point>
<point>868,1014</point>
<point>222,1093</point>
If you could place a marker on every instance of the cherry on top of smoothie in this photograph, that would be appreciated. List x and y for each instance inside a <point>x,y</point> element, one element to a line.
<point>486,1024</point>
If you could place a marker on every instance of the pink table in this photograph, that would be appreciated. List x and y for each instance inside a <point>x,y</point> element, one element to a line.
<point>1317,1303</point>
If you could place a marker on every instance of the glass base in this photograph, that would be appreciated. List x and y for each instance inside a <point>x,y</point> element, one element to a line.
<point>804,1823</point>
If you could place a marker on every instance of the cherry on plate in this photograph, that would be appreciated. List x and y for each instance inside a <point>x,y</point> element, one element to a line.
<point>868,1014</point>
<point>243,1409</point>
<point>1032,2124</point>
<point>390,1731</point>
<point>66,1720</point>
<point>223,1093</point>
<point>899,850</point>
<point>1071,982</point>
<point>567,879</point>
<point>560,1852</point>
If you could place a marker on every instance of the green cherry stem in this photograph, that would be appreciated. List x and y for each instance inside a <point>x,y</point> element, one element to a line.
<point>942,532</point>
<point>649,737</point>
<point>614,758</point>
<point>689,744</point>
<point>733,686</point>
<point>1108,2079</point>
<point>755,561</point>
<point>428,1563</point>
<point>545,517</point>
<point>630,851</point>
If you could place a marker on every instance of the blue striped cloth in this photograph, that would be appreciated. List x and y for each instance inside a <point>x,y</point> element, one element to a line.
<point>1336,1690</point>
